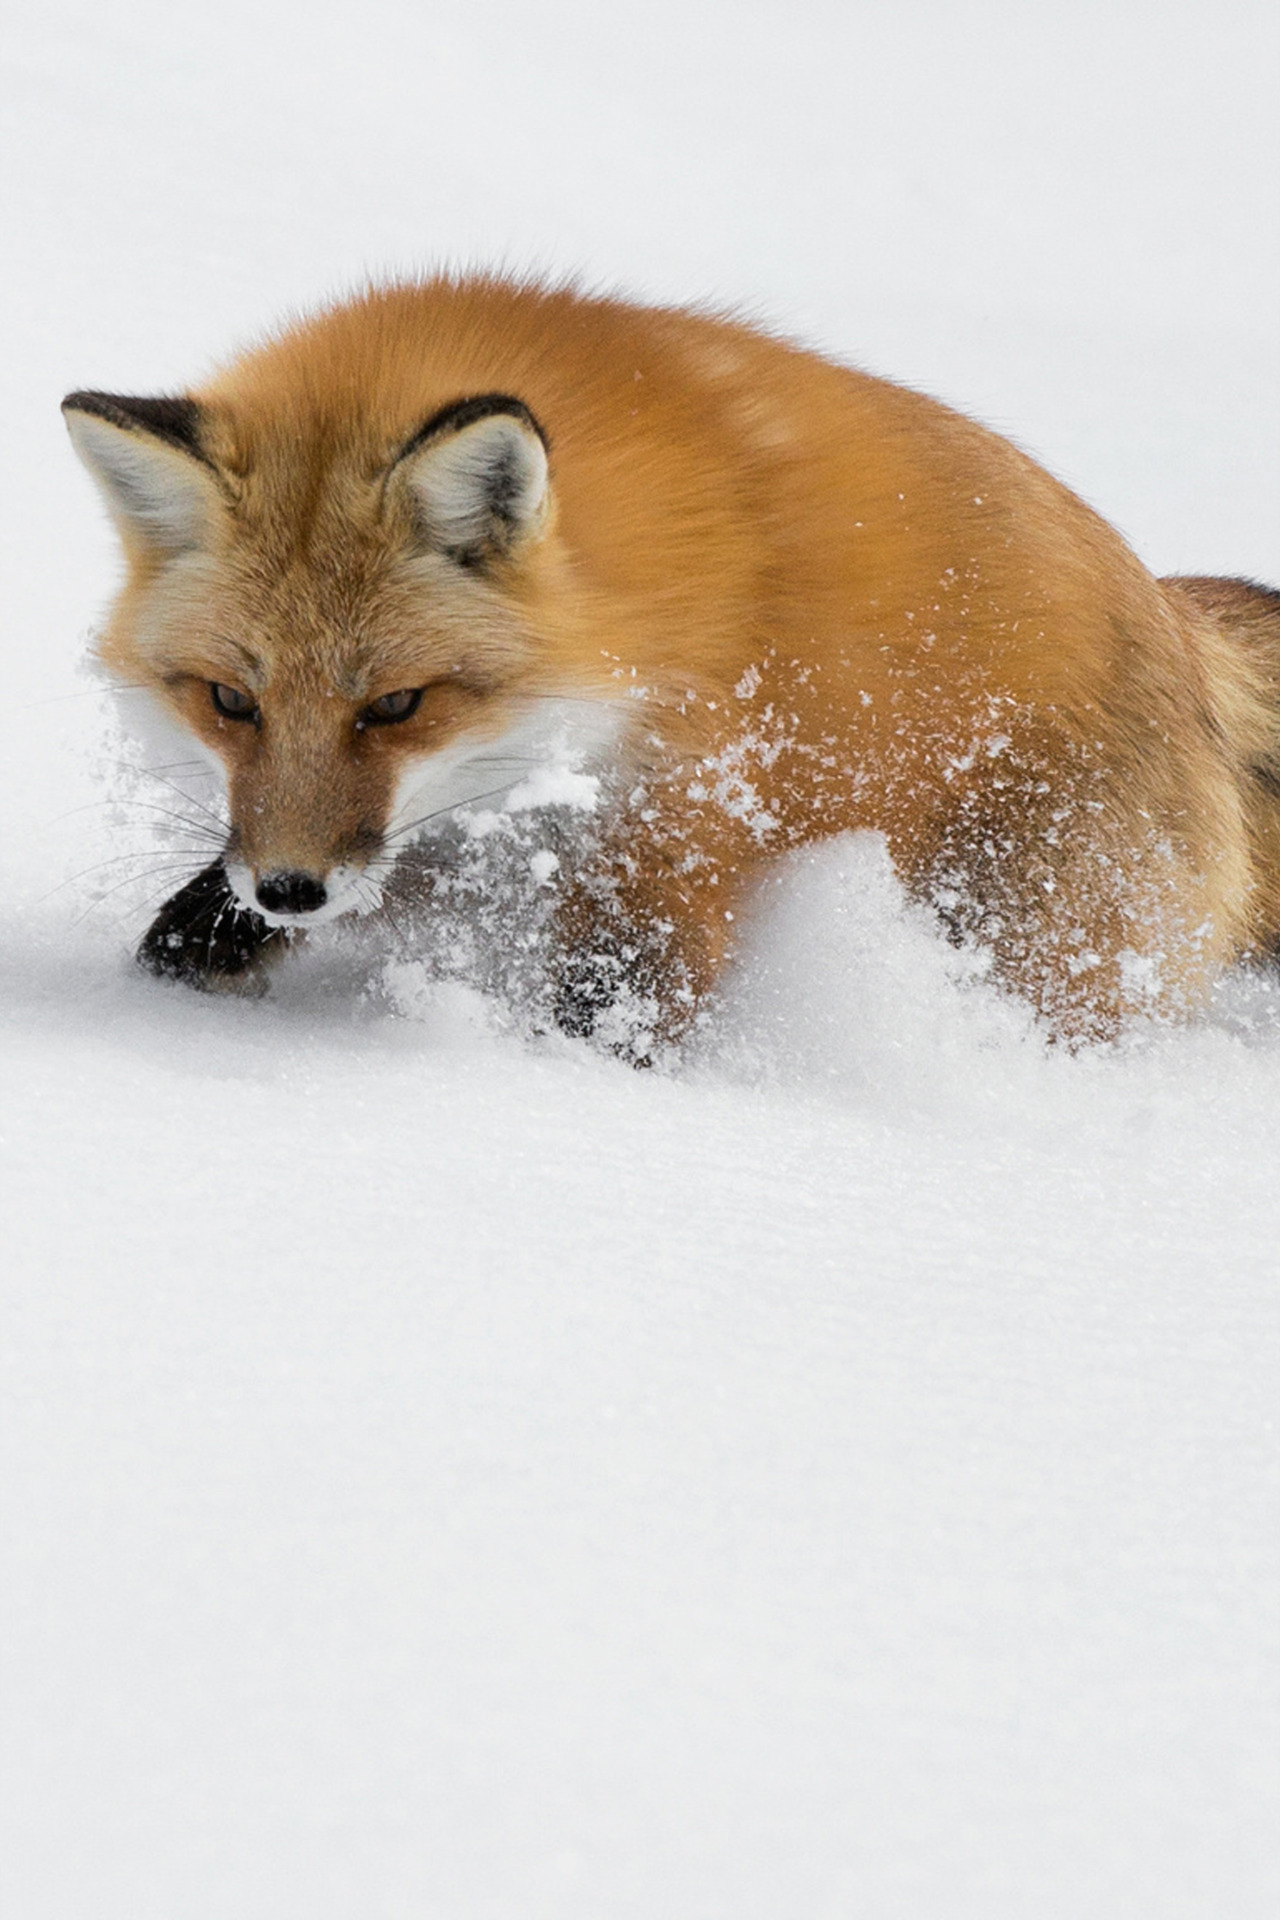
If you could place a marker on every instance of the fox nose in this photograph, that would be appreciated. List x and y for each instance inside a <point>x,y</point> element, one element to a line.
<point>290,891</point>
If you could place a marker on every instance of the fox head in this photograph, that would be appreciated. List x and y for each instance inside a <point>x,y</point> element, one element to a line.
<point>344,616</point>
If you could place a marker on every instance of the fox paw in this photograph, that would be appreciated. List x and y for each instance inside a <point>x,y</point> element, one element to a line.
<point>205,938</point>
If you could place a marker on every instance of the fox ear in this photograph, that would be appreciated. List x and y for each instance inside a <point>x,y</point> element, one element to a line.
<point>477,474</point>
<point>147,458</point>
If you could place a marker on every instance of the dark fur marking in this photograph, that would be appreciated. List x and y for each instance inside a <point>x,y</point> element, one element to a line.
<point>502,489</point>
<point>464,413</point>
<point>1267,777</point>
<point>203,933</point>
<point>171,418</point>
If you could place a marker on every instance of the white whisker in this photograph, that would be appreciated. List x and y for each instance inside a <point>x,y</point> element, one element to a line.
<point>183,855</point>
<point>454,806</point>
<point>171,869</point>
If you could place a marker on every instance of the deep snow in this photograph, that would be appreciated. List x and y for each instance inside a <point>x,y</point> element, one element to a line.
<point>450,1475</point>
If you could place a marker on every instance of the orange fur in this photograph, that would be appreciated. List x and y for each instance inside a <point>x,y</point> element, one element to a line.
<point>818,601</point>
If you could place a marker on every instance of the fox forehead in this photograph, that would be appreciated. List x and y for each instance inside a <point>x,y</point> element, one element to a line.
<point>298,486</point>
<point>342,614</point>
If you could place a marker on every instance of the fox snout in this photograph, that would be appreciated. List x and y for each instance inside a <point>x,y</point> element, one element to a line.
<point>303,837</point>
<point>290,885</point>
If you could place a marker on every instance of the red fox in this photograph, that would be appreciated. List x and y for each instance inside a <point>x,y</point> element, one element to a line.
<point>780,599</point>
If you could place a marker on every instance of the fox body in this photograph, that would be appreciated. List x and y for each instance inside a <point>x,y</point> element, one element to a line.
<point>773,600</point>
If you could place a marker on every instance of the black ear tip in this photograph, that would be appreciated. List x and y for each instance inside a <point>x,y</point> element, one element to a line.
<point>107,406</point>
<point>460,414</point>
<point>174,418</point>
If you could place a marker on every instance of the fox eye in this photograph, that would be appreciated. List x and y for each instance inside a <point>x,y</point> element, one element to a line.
<point>231,703</point>
<point>390,707</point>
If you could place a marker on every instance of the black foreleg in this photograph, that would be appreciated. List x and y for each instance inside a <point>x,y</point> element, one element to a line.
<point>204,936</point>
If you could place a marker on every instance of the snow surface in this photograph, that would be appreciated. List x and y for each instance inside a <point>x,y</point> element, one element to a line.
<point>451,1476</point>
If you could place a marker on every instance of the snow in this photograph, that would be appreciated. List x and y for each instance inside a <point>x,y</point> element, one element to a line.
<point>449,1474</point>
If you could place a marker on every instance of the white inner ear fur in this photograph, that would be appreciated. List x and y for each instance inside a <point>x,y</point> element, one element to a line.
<point>485,485</point>
<point>160,492</point>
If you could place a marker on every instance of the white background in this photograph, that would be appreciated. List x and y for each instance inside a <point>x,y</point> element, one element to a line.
<point>447,1477</point>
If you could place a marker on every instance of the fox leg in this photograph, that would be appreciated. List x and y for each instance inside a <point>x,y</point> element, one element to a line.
<point>205,938</point>
<point>643,935</point>
<point>618,967</point>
